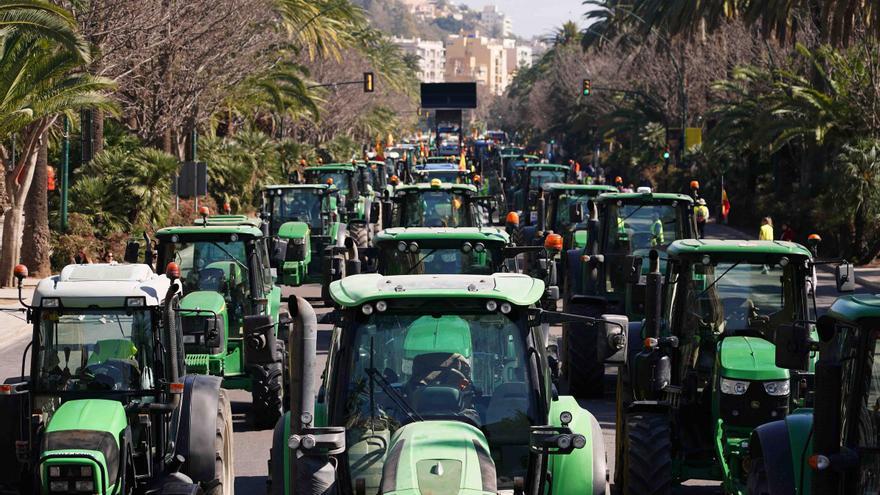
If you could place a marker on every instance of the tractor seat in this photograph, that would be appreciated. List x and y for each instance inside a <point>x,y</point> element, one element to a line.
<point>437,400</point>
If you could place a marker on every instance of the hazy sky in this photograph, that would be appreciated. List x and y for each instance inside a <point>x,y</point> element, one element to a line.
<point>534,17</point>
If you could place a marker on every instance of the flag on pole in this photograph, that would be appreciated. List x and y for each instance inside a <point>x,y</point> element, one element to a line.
<point>462,163</point>
<point>725,204</point>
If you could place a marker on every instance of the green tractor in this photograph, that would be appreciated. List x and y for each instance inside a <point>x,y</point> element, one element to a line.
<point>360,206</point>
<point>108,407</point>
<point>303,222</point>
<point>607,276</point>
<point>437,204</point>
<point>706,376</point>
<point>435,384</point>
<point>832,448</point>
<point>231,309</point>
<point>527,190</point>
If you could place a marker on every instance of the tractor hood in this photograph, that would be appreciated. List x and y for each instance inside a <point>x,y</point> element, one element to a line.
<point>440,458</point>
<point>749,358</point>
<point>205,300</point>
<point>294,230</point>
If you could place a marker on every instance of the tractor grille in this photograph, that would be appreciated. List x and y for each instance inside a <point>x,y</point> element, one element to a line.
<point>753,408</point>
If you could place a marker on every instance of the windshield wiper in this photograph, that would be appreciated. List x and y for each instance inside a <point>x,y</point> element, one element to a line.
<point>233,258</point>
<point>419,262</point>
<point>398,399</point>
<point>717,280</point>
<point>632,213</point>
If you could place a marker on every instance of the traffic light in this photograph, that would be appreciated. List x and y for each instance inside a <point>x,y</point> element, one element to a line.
<point>369,87</point>
<point>588,87</point>
<point>666,153</point>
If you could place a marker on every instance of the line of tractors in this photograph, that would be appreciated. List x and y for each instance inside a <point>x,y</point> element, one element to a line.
<point>442,376</point>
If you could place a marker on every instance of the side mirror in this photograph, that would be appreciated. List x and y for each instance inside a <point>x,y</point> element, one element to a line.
<point>793,346</point>
<point>846,277</point>
<point>633,267</point>
<point>132,249</point>
<point>279,252</point>
<point>259,338</point>
<point>612,339</point>
<point>574,213</point>
<point>375,212</point>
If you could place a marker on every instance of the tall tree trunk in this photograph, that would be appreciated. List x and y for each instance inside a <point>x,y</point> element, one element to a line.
<point>35,242</point>
<point>97,131</point>
<point>12,222</point>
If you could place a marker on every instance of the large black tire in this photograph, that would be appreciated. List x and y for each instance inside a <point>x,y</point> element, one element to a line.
<point>266,394</point>
<point>275,481</point>
<point>224,460</point>
<point>285,375</point>
<point>647,469</point>
<point>581,369</point>
<point>360,234</point>
<point>758,484</point>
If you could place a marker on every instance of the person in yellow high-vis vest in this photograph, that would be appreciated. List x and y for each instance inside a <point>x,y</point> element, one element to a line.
<point>701,214</point>
<point>657,237</point>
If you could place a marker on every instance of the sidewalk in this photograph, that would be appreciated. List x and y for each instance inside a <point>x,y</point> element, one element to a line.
<point>9,295</point>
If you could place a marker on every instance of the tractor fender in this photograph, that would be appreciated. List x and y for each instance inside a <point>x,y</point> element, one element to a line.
<point>197,427</point>
<point>633,341</point>
<point>771,442</point>
<point>583,470</point>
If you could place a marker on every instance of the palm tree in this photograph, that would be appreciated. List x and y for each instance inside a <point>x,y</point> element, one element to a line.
<point>39,82</point>
<point>44,20</point>
<point>321,27</point>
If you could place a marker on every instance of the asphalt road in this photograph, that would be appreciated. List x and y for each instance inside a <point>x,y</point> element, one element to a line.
<point>251,447</point>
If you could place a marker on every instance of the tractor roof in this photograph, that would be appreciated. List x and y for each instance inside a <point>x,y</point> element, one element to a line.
<point>515,288</point>
<point>547,166</point>
<point>332,167</point>
<point>103,285</point>
<point>481,234</point>
<point>855,307</point>
<point>296,186</point>
<point>686,247</point>
<point>586,188</point>
<point>212,229</point>
<point>647,197</point>
<point>233,220</point>
<point>445,186</point>
<point>517,155</point>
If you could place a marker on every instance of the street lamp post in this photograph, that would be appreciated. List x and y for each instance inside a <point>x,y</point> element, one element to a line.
<point>65,172</point>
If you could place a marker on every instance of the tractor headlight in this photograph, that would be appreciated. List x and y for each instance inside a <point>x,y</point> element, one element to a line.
<point>367,309</point>
<point>85,486</point>
<point>777,388</point>
<point>54,471</point>
<point>58,486</point>
<point>734,387</point>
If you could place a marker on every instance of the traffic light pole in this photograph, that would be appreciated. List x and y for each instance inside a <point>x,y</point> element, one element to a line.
<point>65,172</point>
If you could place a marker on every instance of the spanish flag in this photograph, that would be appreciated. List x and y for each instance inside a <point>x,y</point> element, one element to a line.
<point>725,204</point>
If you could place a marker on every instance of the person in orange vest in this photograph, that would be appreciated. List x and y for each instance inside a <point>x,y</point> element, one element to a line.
<point>618,183</point>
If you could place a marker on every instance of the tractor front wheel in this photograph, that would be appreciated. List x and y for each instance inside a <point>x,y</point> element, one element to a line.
<point>223,461</point>
<point>266,394</point>
<point>647,468</point>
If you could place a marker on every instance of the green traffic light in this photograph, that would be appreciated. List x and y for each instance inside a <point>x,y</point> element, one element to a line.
<point>666,155</point>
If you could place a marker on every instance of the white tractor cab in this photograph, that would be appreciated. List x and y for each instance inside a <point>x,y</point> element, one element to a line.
<point>107,406</point>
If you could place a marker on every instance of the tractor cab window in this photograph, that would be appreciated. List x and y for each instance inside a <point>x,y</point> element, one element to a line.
<point>433,209</point>
<point>738,296</point>
<point>446,176</point>
<point>441,259</point>
<point>296,205</point>
<point>860,392</point>
<point>408,368</point>
<point>340,179</point>
<point>560,218</point>
<point>100,350</point>
<point>215,266</point>
<point>538,178</point>
<point>638,228</point>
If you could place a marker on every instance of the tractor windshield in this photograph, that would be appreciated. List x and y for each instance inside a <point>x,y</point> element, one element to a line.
<point>439,259</point>
<point>296,205</point>
<point>214,266</point>
<point>447,176</point>
<point>99,350</point>
<point>340,178</point>
<point>559,215</point>
<point>465,367</point>
<point>433,209</point>
<point>735,296</point>
<point>537,178</point>
<point>638,228</point>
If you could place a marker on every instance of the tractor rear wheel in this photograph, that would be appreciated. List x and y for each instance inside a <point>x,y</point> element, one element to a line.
<point>223,462</point>
<point>647,468</point>
<point>359,233</point>
<point>266,394</point>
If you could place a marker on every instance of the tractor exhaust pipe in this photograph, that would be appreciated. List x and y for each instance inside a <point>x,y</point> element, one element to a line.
<point>653,297</point>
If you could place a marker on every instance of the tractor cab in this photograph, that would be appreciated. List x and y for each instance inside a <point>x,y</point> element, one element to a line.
<point>101,410</point>
<point>436,204</point>
<point>440,384</point>
<point>303,221</point>
<point>228,288</point>
<point>729,304</point>
<point>424,250</point>
<point>528,189</point>
<point>449,173</point>
<point>352,182</point>
<point>563,209</point>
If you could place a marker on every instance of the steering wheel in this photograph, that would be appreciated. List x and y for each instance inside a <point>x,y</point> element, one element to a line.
<point>446,377</point>
<point>110,375</point>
